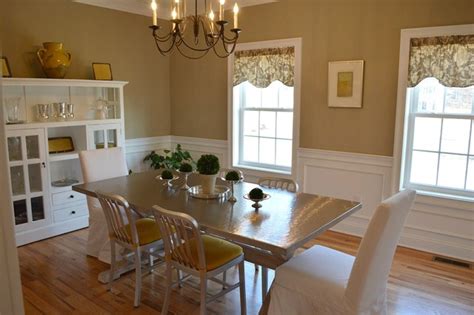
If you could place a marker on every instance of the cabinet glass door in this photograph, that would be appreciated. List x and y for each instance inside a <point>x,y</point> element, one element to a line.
<point>104,136</point>
<point>28,177</point>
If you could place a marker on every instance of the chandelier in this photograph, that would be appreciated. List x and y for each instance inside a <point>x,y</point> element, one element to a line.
<point>196,34</point>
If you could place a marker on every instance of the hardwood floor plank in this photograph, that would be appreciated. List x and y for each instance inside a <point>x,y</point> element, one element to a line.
<point>59,278</point>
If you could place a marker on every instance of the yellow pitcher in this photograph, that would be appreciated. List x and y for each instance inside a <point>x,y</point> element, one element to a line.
<point>54,60</point>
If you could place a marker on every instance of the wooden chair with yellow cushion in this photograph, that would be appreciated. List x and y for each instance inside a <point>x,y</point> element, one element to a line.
<point>197,255</point>
<point>136,235</point>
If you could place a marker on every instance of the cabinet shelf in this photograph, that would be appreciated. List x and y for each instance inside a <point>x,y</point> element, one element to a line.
<point>69,123</point>
<point>63,156</point>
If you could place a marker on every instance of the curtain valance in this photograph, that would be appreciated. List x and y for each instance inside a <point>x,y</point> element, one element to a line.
<point>263,66</point>
<point>450,59</point>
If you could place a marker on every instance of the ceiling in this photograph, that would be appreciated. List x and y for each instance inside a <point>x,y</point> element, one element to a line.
<point>142,7</point>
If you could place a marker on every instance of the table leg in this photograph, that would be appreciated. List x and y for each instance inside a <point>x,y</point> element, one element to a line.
<point>264,282</point>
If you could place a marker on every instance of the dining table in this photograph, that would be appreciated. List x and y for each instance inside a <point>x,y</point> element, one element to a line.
<point>269,235</point>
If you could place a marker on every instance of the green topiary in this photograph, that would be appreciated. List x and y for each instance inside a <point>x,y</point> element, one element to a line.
<point>256,193</point>
<point>208,164</point>
<point>166,174</point>
<point>232,175</point>
<point>186,168</point>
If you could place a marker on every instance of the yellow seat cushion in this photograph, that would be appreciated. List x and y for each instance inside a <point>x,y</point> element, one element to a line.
<point>147,230</point>
<point>217,251</point>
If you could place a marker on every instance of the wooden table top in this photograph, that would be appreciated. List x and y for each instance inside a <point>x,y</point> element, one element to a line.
<point>285,222</point>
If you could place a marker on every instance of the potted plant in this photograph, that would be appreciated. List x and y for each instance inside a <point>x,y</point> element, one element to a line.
<point>208,167</point>
<point>171,159</point>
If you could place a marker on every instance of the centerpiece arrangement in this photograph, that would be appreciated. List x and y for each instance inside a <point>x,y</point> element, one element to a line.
<point>185,169</point>
<point>233,177</point>
<point>168,177</point>
<point>208,167</point>
<point>257,195</point>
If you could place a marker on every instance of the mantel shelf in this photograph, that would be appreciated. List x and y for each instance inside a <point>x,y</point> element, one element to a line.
<point>61,82</point>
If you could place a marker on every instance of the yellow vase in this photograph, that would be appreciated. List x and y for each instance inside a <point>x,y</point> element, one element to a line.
<point>54,60</point>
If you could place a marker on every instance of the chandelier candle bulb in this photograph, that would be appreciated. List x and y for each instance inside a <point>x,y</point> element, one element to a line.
<point>211,18</point>
<point>221,10</point>
<point>154,6</point>
<point>177,8</point>
<point>236,16</point>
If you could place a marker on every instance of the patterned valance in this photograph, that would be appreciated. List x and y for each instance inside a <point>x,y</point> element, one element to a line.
<point>450,59</point>
<point>263,66</point>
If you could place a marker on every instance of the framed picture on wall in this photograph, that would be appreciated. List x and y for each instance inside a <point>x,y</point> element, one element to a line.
<point>102,71</point>
<point>6,72</point>
<point>345,83</point>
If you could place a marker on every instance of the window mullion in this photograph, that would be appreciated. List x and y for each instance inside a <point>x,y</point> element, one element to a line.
<point>467,156</point>
<point>439,150</point>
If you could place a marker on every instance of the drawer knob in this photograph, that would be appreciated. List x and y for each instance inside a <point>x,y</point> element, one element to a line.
<point>73,212</point>
<point>71,196</point>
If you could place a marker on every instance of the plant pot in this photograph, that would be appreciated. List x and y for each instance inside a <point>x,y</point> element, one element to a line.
<point>208,183</point>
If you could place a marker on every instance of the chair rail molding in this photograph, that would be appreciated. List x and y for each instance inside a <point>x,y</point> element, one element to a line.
<point>434,225</point>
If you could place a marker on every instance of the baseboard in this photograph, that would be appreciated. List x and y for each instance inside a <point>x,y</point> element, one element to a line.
<point>27,237</point>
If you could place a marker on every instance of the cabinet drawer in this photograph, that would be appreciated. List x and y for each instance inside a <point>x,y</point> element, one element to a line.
<point>70,213</point>
<point>66,197</point>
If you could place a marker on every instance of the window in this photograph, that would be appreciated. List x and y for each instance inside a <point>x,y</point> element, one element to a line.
<point>266,125</point>
<point>264,111</point>
<point>434,129</point>
<point>439,155</point>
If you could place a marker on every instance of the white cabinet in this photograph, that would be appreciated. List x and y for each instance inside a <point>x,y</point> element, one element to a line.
<point>43,201</point>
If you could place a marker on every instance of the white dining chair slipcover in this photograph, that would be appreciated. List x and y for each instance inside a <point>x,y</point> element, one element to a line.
<point>325,281</point>
<point>99,165</point>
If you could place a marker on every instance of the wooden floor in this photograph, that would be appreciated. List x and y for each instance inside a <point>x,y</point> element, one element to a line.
<point>58,278</point>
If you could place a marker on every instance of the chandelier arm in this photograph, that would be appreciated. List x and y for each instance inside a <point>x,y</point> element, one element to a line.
<point>161,38</point>
<point>183,41</point>
<point>218,54</point>
<point>182,52</point>
<point>165,52</point>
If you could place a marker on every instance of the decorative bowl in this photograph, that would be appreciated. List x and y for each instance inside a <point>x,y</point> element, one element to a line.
<point>257,204</point>
<point>168,182</point>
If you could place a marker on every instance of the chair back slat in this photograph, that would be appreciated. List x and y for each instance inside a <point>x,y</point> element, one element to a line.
<point>279,183</point>
<point>181,238</point>
<point>116,210</point>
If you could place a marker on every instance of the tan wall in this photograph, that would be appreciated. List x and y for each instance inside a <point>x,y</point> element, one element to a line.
<point>94,34</point>
<point>331,30</point>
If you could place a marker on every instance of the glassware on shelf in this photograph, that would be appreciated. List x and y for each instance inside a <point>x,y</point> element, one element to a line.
<point>105,109</point>
<point>60,110</point>
<point>12,106</point>
<point>43,111</point>
<point>101,108</point>
<point>70,111</point>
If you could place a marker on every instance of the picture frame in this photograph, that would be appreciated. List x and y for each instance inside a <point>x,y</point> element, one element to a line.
<point>6,71</point>
<point>345,83</point>
<point>102,71</point>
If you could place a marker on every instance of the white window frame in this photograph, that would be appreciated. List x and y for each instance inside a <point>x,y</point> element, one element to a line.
<point>233,112</point>
<point>402,122</point>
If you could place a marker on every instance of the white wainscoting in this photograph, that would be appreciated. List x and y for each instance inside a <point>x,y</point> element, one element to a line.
<point>137,149</point>
<point>435,225</point>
